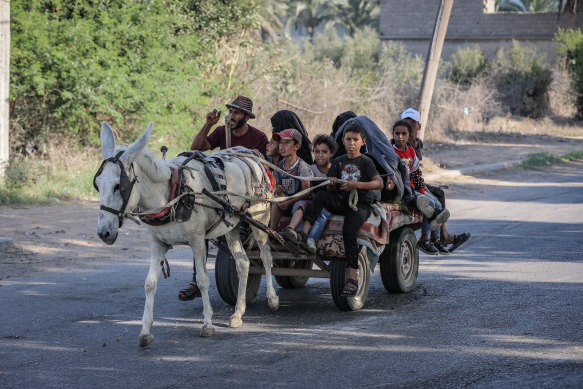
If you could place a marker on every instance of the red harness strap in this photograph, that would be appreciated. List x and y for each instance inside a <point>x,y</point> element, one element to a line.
<point>174,185</point>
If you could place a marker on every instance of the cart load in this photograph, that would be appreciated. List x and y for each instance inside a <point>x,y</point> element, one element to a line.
<point>387,238</point>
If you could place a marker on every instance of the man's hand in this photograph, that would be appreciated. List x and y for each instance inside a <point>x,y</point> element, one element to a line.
<point>349,185</point>
<point>390,184</point>
<point>279,189</point>
<point>212,118</point>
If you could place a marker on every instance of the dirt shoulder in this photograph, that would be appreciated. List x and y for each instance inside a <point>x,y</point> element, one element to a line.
<point>494,148</point>
<point>52,237</point>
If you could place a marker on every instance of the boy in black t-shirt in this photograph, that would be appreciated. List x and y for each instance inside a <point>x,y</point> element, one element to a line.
<point>358,172</point>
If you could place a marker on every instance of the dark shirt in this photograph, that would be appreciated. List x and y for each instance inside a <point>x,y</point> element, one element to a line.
<point>360,169</point>
<point>252,139</point>
<point>418,148</point>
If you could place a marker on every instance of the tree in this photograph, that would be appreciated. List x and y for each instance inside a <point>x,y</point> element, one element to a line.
<point>75,63</point>
<point>311,13</point>
<point>570,50</point>
<point>527,5</point>
<point>271,14</point>
<point>569,6</point>
<point>357,14</point>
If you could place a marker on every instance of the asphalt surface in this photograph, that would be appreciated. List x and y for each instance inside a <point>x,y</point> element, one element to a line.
<point>506,310</point>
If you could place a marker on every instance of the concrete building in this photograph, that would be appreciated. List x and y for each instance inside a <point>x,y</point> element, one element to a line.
<point>411,23</point>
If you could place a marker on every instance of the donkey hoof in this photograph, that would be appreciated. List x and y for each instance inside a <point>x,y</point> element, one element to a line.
<point>273,303</point>
<point>207,331</point>
<point>235,322</point>
<point>146,339</point>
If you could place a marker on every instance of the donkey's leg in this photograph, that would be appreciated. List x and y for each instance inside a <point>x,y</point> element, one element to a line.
<point>198,247</point>
<point>242,265</point>
<point>265,254</point>
<point>159,250</point>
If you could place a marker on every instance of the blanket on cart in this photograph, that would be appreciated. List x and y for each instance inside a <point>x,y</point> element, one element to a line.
<point>374,233</point>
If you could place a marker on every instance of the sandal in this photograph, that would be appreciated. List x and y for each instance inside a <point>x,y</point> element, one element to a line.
<point>442,250</point>
<point>350,290</point>
<point>189,293</point>
<point>458,240</point>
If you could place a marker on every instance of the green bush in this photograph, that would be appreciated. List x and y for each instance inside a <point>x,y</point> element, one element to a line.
<point>357,54</point>
<point>467,64</point>
<point>76,63</point>
<point>328,46</point>
<point>17,173</point>
<point>522,80</point>
<point>570,50</point>
<point>361,53</point>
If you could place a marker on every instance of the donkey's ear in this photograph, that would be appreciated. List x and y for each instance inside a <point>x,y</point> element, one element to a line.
<point>136,148</point>
<point>107,141</point>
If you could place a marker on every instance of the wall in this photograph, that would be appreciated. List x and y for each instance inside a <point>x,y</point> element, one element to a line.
<point>411,22</point>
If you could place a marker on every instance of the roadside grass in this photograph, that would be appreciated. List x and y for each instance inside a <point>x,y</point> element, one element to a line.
<point>35,182</point>
<point>62,176</point>
<point>537,160</point>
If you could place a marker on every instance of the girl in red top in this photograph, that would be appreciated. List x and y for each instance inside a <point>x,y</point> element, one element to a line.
<point>432,220</point>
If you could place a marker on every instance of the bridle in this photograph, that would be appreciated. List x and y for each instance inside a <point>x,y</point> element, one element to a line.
<point>125,186</point>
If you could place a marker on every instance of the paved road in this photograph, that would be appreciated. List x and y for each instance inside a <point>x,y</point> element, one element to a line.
<point>505,311</point>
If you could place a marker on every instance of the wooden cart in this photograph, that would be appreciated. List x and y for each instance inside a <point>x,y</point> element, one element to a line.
<point>399,262</point>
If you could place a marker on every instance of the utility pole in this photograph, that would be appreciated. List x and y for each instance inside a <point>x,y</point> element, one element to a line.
<point>432,62</point>
<point>4,83</point>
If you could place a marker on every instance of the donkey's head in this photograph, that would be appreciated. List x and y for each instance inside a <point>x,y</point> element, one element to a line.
<point>115,180</point>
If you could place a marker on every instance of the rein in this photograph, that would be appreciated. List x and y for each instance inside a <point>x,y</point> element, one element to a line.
<point>126,187</point>
<point>352,201</point>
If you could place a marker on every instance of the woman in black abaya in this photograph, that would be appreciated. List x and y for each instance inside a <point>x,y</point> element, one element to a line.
<point>284,119</point>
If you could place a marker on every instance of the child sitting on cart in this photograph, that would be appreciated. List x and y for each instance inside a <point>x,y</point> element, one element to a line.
<point>438,215</point>
<point>358,172</point>
<point>324,148</point>
<point>290,141</point>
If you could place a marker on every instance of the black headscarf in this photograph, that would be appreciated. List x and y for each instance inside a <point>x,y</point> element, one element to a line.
<point>338,122</point>
<point>285,119</point>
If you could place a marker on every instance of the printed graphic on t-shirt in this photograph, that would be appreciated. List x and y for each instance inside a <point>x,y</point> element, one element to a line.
<point>289,185</point>
<point>350,172</point>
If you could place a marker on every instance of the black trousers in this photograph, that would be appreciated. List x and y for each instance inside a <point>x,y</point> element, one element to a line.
<point>353,220</point>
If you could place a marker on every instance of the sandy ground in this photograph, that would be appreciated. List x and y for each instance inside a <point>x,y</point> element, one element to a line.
<point>46,238</point>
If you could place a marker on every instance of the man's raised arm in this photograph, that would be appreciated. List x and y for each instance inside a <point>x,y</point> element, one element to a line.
<point>200,142</point>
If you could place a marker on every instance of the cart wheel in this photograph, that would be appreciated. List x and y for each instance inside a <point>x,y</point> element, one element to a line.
<point>400,263</point>
<point>228,281</point>
<point>294,282</point>
<point>338,272</point>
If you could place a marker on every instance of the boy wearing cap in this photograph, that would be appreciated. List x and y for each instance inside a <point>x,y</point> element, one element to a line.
<point>242,134</point>
<point>413,117</point>
<point>290,141</point>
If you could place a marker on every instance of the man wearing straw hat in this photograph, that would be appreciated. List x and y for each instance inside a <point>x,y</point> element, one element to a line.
<point>240,134</point>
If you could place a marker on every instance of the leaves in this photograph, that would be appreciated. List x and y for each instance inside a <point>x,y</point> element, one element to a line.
<point>80,62</point>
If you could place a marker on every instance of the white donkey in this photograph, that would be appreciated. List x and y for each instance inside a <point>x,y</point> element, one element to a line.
<point>132,176</point>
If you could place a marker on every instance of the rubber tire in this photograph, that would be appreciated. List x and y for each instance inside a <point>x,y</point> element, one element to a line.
<point>338,277</point>
<point>294,282</point>
<point>228,281</point>
<point>400,262</point>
